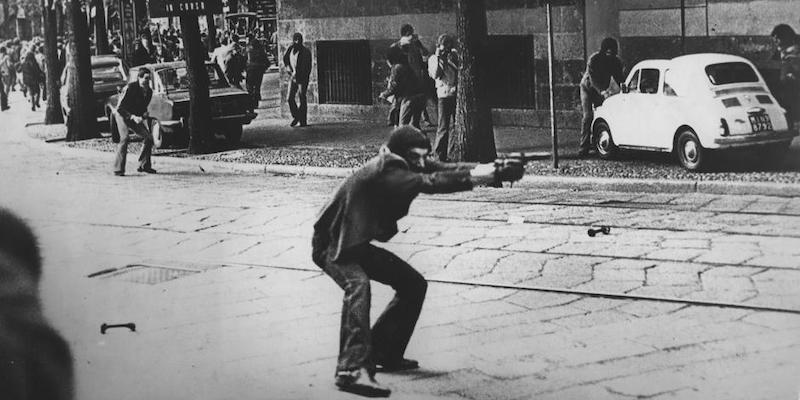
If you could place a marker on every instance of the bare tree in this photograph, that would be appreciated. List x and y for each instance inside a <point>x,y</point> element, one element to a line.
<point>199,104</point>
<point>473,136</point>
<point>52,113</point>
<point>81,120</point>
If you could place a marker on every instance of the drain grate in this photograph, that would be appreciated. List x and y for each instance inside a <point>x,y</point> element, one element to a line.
<point>150,274</point>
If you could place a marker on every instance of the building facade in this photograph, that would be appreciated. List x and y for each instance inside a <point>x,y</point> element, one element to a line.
<point>348,40</point>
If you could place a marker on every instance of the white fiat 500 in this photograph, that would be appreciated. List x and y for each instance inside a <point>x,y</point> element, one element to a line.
<point>690,105</point>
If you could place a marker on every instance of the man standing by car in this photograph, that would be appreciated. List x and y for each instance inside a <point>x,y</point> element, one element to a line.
<point>602,66</point>
<point>788,53</point>
<point>257,62</point>
<point>366,207</point>
<point>132,116</point>
<point>297,61</point>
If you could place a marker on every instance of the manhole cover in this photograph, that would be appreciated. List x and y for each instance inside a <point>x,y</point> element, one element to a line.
<point>150,274</point>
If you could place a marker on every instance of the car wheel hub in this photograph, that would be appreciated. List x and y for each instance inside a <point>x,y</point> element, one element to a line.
<point>604,142</point>
<point>690,151</point>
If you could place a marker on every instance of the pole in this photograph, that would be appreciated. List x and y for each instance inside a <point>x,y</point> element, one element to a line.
<point>683,26</point>
<point>551,68</point>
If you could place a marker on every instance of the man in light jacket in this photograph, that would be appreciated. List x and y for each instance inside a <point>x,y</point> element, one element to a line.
<point>443,68</point>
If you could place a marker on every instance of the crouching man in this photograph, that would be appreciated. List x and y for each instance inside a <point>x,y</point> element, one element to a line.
<point>366,207</point>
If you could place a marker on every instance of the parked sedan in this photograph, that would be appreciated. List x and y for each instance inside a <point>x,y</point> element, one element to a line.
<point>109,75</point>
<point>693,105</point>
<point>169,108</point>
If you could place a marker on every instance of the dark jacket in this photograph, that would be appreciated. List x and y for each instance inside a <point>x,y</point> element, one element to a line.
<point>256,55</point>
<point>303,62</point>
<point>600,69</point>
<point>403,82</point>
<point>368,204</point>
<point>134,101</point>
<point>32,75</point>
<point>143,55</point>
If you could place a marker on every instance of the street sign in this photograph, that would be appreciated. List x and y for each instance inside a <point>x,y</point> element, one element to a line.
<point>177,8</point>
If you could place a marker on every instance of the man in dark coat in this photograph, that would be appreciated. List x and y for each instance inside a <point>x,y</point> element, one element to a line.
<point>601,68</point>
<point>35,361</point>
<point>132,115</point>
<point>297,61</point>
<point>143,52</point>
<point>366,207</point>
<point>406,87</point>
<point>257,63</point>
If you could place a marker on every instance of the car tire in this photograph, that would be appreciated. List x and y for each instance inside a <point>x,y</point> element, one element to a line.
<point>233,134</point>
<point>603,142</point>
<point>157,133</point>
<point>690,152</point>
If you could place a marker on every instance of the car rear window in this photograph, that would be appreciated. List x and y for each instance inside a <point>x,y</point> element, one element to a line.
<point>730,72</point>
<point>175,79</point>
<point>107,73</point>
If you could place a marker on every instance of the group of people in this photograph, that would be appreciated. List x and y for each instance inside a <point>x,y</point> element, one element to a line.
<point>243,61</point>
<point>414,80</point>
<point>22,64</point>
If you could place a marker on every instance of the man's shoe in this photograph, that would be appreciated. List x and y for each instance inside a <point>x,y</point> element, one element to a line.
<point>403,364</point>
<point>360,382</point>
<point>119,173</point>
<point>148,170</point>
<point>294,122</point>
<point>303,124</point>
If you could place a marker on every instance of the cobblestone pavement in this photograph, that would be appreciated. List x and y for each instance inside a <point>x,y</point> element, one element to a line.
<point>235,308</point>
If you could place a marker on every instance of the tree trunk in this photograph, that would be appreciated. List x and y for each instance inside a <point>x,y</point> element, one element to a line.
<point>473,136</point>
<point>199,105</point>
<point>52,113</point>
<point>212,32</point>
<point>81,121</point>
<point>100,33</point>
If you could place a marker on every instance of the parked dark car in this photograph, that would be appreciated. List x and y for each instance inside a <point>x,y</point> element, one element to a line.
<point>231,107</point>
<point>109,75</point>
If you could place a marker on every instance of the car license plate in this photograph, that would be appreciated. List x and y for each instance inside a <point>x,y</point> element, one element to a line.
<point>760,122</point>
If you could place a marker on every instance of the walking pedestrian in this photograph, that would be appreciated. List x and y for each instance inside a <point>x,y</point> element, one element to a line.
<point>601,68</point>
<point>5,78</point>
<point>297,60</point>
<point>40,58</point>
<point>32,77</point>
<point>788,93</point>
<point>132,115</point>
<point>257,63</point>
<point>405,87</point>
<point>443,68</point>
<point>366,207</point>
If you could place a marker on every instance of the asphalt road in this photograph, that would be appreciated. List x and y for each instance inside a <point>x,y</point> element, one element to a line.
<point>690,296</point>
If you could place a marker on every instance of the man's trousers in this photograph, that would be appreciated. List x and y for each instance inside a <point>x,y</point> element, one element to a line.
<point>360,347</point>
<point>124,138</point>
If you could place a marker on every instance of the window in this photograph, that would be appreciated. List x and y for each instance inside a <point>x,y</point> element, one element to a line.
<point>633,84</point>
<point>668,90</point>
<point>730,72</point>
<point>510,81</point>
<point>103,73</point>
<point>649,81</point>
<point>175,79</point>
<point>344,70</point>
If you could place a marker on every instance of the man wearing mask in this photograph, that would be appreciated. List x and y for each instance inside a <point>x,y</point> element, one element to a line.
<point>366,207</point>
<point>297,60</point>
<point>601,68</point>
<point>132,115</point>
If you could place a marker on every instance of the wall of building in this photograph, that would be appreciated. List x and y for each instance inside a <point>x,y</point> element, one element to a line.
<point>653,29</point>
<point>379,22</point>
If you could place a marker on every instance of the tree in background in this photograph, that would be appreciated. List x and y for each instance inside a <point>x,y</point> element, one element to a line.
<point>473,136</point>
<point>199,104</point>
<point>81,120</point>
<point>52,113</point>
